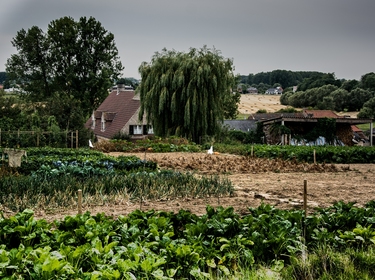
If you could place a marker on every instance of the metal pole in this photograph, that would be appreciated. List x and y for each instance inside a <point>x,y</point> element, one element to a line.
<point>371,134</point>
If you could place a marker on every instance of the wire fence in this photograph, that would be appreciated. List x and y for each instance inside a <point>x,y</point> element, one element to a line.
<point>32,138</point>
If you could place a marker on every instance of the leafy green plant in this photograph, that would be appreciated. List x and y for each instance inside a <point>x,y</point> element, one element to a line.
<point>165,245</point>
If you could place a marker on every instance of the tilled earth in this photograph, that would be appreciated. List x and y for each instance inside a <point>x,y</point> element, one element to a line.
<point>276,182</point>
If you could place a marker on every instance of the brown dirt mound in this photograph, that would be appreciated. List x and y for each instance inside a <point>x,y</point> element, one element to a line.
<point>224,164</point>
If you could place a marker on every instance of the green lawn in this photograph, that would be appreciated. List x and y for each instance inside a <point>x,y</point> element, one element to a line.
<point>365,126</point>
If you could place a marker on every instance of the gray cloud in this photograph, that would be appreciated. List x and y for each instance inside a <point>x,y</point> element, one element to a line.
<point>260,35</point>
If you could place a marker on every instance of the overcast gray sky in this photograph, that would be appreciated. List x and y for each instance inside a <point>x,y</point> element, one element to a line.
<point>259,35</point>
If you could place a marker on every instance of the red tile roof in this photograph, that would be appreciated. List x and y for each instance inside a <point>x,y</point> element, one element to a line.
<point>117,108</point>
<point>356,128</point>
<point>322,114</point>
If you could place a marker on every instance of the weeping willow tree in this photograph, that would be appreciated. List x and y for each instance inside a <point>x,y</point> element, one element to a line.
<point>187,94</point>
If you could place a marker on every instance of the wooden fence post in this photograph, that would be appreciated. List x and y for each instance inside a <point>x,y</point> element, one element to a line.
<point>314,156</point>
<point>305,196</point>
<point>71,139</point>
<point>304,220</point>
<point>79,202</point>
<point>76,139</point>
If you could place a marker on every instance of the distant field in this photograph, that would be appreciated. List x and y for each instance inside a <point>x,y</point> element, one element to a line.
<point>251,103</point>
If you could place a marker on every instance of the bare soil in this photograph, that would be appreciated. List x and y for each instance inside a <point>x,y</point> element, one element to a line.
<point>255,180</point>
<point>273,182</point>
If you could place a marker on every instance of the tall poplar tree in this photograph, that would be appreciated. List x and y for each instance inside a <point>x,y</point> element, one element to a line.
<point>187,94</point>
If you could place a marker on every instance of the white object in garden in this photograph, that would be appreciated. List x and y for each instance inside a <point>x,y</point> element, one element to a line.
<point>90,144</point>
<point>14,156</point>
<point>210,151</point>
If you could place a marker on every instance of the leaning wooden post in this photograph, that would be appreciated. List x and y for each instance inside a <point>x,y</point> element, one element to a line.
<point>304,252</point>
<point>304,207</point>
<point>252,151</point>
<point>305,196</point>
<point>79,202</point>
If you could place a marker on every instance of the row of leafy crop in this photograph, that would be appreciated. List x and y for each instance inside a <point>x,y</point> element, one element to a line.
<point>46,192</point>
<point>327,154</point>
<point>48,162</point>
<point>165,245</point>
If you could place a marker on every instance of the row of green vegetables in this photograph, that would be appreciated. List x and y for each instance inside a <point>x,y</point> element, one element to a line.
<point>50,162</point>
<point>327,154</point>
<point>40,192</point>
<point>166,245</point>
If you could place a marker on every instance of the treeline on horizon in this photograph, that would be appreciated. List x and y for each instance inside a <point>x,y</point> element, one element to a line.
<point>315,90</point>
<point>318,90</point>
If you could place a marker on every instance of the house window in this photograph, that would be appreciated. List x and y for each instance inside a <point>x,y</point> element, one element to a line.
<point>102,128</point>
<point>93,121</point>
<point>102,125</point>
<point>137,129</point>
<point>150,130</point>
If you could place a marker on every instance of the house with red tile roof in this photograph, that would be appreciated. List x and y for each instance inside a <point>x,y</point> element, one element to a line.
<point>118,114</point>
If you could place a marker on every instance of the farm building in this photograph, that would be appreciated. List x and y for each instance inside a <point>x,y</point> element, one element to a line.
<point>279,127</point>
<point>240,125</point>
<point>252,90</point>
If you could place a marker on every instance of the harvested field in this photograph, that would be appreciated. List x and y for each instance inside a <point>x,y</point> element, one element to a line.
<point>278,183</point>
<point>255,180</point>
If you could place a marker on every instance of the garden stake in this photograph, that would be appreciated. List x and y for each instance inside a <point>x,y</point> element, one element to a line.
<point>304,221</point>
<point>314,156</point>
<point>79,202</point>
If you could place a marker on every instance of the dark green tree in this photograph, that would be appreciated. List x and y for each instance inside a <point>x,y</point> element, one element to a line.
<point>31,67</point>
<point>340,99</point>
<point>349,85</point>
<point>357,98</point>
<point>187,94</point>
<point>78,59</point>
<point>368,110</point>
<point>368,81</point>
<point>3,77</point>
<point>319,80</point>
<point>134,83</point>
